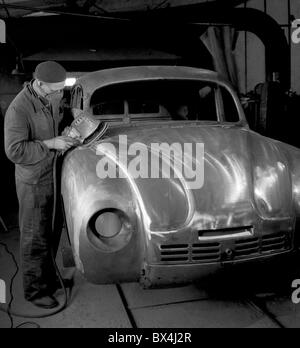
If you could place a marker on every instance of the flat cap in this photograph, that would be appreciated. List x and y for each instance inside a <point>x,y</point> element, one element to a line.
<point>50,72</point>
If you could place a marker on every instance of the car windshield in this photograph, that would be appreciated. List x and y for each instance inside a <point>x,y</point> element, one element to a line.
<point>164,100</point>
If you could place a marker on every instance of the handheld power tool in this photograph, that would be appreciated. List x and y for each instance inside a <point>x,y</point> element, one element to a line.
<point>86,129</point>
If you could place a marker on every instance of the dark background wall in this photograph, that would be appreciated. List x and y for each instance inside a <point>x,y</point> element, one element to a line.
<point>251,58</point>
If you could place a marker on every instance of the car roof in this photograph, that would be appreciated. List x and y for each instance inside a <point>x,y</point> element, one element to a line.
<point>98,79</point>
<point>102,78</point>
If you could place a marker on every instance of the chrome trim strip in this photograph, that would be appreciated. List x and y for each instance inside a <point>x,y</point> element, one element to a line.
<point>226,236</point>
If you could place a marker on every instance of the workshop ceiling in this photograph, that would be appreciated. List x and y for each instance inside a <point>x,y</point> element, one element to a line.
<point>84,33</point>
<point>21,8</point>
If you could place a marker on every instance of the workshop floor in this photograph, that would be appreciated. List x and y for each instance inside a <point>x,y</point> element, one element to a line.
<point>248,297</point>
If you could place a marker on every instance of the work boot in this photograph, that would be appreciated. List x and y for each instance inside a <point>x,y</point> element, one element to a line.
<point>47,302</point>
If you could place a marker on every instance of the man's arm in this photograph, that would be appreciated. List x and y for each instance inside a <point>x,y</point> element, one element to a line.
<point>18,148</point>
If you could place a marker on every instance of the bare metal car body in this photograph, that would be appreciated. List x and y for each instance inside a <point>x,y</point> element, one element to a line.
<point>245,211</point>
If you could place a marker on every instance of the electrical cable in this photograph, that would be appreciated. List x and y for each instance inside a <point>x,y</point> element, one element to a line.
<point>8,310</point>
<point>11,283</point>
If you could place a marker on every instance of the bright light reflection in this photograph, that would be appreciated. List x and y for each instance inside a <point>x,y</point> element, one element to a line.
<point>70,81</point>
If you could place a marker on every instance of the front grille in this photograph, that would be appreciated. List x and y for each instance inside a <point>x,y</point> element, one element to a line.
<point>205,252</point>
<point>247,247</point>
<point>267,244</point>
<point>275,243</point>
<point>174,253</point>
<point>210,252</point>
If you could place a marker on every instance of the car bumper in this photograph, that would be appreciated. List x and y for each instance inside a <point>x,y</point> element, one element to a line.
<point>164,275</point>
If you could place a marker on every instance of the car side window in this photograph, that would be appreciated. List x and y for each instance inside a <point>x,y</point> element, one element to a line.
<point>207,104</point>
<point>111,107</point>
<point>163,100</point>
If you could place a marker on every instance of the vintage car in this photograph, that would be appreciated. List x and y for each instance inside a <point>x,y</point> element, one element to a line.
<point>132,215</point>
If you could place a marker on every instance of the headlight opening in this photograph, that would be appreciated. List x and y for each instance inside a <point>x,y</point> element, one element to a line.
<point>110,230</point>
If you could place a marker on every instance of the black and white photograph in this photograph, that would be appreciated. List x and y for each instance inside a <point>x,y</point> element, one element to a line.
<point>150,166</point>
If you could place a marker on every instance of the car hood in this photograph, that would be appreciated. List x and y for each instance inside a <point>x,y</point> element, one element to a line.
<point>230,176</point>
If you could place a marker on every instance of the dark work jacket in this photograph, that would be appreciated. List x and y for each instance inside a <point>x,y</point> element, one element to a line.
<point>29,121</point>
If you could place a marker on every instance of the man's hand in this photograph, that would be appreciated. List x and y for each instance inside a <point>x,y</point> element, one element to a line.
<point>71,132</point>
<point>61,143</point>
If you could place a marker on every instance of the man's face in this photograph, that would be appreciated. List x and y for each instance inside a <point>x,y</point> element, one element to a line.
<point>52,90</point>
<point>183,112</point>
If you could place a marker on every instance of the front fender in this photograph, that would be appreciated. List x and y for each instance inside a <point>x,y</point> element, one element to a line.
<point>84,194</point>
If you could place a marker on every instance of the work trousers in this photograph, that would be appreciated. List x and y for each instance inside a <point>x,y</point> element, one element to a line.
<point>38,240</point>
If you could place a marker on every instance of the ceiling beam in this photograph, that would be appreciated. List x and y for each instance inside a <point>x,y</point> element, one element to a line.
<point>18,8</point>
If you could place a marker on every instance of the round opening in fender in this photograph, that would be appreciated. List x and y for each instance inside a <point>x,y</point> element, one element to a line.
<point>109,230</point>
<point>108,225</point>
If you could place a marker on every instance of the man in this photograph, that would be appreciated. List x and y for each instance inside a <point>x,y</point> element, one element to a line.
<point>31,142</point>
